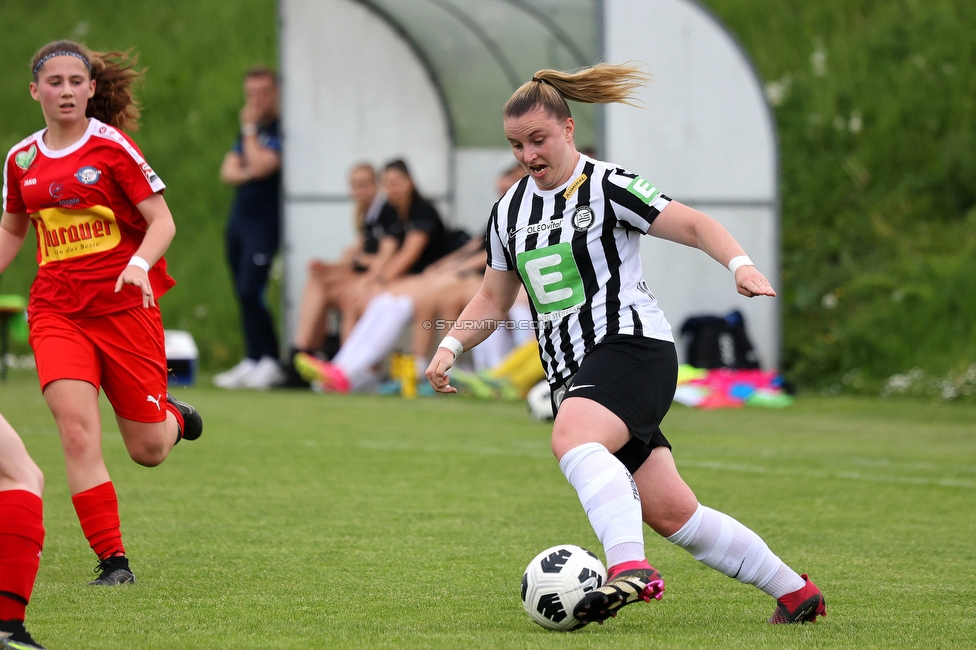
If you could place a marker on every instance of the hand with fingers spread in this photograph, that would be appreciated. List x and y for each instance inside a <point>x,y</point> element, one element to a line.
<point>750,282</point>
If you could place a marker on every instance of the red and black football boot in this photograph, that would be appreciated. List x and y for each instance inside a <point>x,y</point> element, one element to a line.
<point>802,606</point>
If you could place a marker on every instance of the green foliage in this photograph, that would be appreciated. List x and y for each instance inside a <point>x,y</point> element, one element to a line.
<point>878,157</point>
<point>195,54</point>
<point>384,523</point>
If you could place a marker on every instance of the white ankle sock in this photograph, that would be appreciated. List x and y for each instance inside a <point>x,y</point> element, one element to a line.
<point>719,541</point>
<point>609,495</point>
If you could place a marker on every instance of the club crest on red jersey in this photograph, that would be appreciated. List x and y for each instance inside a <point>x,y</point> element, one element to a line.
<point>88,175</point>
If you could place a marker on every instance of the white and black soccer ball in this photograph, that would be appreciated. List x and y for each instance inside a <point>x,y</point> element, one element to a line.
<point>540,406</point>
<point>555,581</point>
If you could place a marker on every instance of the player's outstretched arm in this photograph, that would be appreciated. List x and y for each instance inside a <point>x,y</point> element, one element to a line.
<point>684,225</point>
<point>476,323</point>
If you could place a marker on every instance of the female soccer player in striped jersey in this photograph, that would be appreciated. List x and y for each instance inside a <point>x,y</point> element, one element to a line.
<point>102,228</point>
<point>570,234</point>
<point>21,536</point>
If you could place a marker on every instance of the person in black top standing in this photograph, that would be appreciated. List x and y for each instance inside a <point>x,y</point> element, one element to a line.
<point>253,166</point>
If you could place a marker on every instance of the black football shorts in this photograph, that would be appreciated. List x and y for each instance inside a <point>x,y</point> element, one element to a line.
<point>634,377</point>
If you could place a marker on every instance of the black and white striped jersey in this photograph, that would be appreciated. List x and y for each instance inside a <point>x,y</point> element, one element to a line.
<point>576,250</point>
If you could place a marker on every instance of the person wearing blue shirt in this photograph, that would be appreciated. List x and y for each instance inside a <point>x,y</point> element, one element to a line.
<point>253,166</point>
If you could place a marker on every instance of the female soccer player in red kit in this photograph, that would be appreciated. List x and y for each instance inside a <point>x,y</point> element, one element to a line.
<point>21,536</point>
<point>102,227</point>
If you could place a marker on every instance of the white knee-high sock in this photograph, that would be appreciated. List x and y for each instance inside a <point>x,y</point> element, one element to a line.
<point>609,495</point>
<point>360,333</point>
<point>374,336</point>
<point>719,541</point>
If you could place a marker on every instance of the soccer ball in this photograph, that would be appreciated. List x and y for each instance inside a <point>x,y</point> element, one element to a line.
<point>540,406</point>
<point>555,581</point>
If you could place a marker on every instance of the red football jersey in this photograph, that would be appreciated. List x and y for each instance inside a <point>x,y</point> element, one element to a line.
<point>82,202</point>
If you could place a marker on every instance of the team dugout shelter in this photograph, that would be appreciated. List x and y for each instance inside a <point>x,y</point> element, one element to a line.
<point>425,80</point>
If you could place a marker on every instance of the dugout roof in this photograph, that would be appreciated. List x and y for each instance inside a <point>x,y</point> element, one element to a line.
<point>478,52</point>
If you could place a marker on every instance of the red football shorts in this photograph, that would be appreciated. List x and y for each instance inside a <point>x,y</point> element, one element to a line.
<point>122,353</point>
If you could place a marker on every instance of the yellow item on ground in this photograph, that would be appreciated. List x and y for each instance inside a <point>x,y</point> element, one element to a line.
<point>521,368</point>
<point>688,373</point>
<point>403,368</point>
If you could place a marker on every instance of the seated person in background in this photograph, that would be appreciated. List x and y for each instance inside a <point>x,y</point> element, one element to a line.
<point>441,291</point>
<point>422,238</point>
<point>377,228</point>
<point>376,333</point>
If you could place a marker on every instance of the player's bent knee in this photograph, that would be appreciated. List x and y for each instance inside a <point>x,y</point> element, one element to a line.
<point>562,441</point>
<point>148,455</point>
<point>78,443</point>
<point>567,436</point>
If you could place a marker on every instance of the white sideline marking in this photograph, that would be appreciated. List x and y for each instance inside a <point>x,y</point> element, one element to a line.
<point>853,476</point>
<point>718,465</point>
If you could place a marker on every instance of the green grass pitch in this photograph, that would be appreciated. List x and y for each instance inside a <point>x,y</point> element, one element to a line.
<point>310,521</point>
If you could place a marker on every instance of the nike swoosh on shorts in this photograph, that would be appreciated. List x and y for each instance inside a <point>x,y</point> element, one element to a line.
<point>572,388</point>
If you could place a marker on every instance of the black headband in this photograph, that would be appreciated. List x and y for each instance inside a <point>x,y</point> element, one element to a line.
<point>43,60</point>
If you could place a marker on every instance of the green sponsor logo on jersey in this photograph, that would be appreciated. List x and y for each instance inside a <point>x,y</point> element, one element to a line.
<point>552,280</point>
<point>25,158</point>
<point>643,190</point>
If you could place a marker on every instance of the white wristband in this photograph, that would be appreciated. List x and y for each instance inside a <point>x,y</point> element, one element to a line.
<point>741,260</point>
<point>248,130</point>
<point>141,263</point>
<point>453,345</point>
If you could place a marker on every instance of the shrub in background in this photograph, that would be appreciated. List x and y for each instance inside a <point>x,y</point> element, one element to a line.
<point>874,103</point>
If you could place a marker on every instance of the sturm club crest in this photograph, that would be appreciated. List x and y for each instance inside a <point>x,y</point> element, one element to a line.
<point>88,175</point>
<point>582,218</point>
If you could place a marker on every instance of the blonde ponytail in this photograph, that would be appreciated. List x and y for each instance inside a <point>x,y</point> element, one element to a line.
<point>603,83</point>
